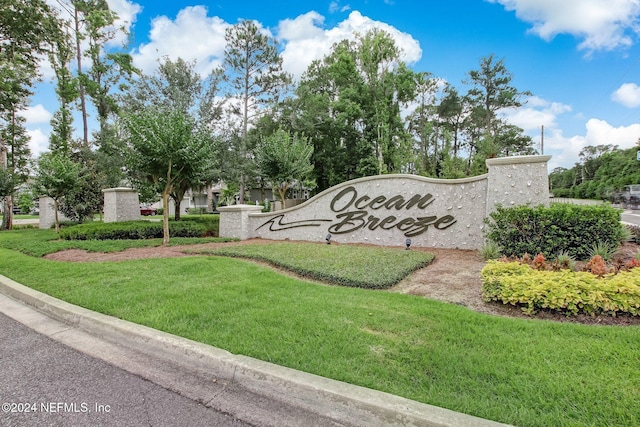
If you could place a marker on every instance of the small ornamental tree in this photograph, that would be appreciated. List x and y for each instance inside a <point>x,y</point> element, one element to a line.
<point>284,160</point>
<point>162,146</point>
<point>57,175</point>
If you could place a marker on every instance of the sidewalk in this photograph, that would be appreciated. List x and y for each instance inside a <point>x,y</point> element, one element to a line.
<point>343,403</point>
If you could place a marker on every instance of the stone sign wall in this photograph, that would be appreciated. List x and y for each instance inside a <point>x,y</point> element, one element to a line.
<point>388,209</point>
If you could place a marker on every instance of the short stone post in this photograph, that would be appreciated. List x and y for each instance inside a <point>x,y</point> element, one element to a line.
<point>47,215</point>
<point>121,204</point>
<point>517,180</point>
<point>234,221</point>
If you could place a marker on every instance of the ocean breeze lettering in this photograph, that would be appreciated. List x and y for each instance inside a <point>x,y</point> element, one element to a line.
<point>353,213</point>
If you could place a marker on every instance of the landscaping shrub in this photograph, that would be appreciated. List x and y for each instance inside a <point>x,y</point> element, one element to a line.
<point>572,229</point>
<point>132,230</point>
<point>565,291</point>
<point>197,211</point>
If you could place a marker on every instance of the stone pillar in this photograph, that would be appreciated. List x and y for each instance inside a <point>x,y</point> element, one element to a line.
<point>121,204</point>
<point>517,180</point>
<point>234,221</point>
<point>47,215</point>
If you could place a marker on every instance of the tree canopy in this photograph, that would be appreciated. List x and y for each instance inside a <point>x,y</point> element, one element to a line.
<point>284,161</point>
<point>163,146</point>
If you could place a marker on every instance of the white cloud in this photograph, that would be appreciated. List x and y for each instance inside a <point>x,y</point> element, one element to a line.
<point>334,7</point>
<point>628,95</point>
<point>39,142</point>
<point>192,36</point>
<point>601,24</point>
<point>536,112</point>
<point>127,12</point>
<point>305,40</point>
<point>36,114</point>
<point>566,150</point>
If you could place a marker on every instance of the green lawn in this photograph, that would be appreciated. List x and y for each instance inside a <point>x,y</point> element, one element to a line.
<point>521,372</point>
<point>38,243</point>
<point>364,267</point>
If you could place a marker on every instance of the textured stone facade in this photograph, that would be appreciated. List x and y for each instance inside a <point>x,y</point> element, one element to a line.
<point>47,215</point>
<point>234,220</point>
<point>516,181</point>
<point>121,204</point>
<point>388,209</point>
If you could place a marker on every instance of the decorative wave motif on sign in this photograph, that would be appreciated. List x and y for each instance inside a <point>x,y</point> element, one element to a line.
<point>281,225</point>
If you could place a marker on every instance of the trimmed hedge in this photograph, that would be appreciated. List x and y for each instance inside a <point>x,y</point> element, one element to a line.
<point>133,230</point>
<point>559,228</point>
<point>565,291</point>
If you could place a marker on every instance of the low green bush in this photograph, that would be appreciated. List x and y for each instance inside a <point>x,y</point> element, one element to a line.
<point>197,211</point>
<point>562,227</point>
<point>132,230</point>
<point>564,291</point>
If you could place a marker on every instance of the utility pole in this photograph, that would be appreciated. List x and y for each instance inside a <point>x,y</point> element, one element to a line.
<point>542,141</point>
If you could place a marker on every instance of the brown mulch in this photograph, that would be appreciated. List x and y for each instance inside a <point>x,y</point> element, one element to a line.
<point>453,277</point>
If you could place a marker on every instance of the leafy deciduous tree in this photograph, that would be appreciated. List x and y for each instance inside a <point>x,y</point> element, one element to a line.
<point>161,146</point>
<point>284,160</point>
<point>57,175</point>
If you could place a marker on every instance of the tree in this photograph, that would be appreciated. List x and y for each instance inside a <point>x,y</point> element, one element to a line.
<point>388,85</point>
<point>254,69</point>
<point>422,127</point>
<point>350,104</point>
<point>25,29</point>
<point>177,87</point>
<point>57,175</point>
<point>25,202</point>
<point>284,161</point>
<point>161,146</point>
<point>491,90</point>
<point>86,198</point>
<point>92,26</point>
<point>60,56</point>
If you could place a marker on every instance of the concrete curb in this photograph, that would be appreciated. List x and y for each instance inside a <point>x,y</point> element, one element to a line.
<point>345,403</point>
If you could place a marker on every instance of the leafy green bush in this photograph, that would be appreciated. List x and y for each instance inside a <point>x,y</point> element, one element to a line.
<point>559,228</point>
<point>565,291</point>
<point>132,230</point>
<point>197,211</point>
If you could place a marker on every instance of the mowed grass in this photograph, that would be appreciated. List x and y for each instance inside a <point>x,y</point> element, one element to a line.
<point>39,243</point>
<point>358,266</point>
<point>521,372</point>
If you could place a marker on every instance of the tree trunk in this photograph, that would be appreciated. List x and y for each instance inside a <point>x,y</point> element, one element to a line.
<point>210,199</point>
<point>176,214</point>
<point>83,101</point>
<point>57,220</point>
<point>165,217</point>
<point>283,193</point>
<point>7,217</point>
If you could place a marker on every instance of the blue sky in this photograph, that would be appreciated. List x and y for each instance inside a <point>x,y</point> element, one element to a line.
<point>579,58</point>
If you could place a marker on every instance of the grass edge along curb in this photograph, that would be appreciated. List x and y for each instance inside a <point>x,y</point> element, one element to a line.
<point>565,291</point>
<point>326,272</point>
<point>346,402</point>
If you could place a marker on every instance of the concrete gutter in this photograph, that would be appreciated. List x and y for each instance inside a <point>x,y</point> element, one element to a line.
<point>344,403</point>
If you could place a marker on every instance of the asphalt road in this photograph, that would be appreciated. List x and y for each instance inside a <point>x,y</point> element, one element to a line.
<point>45,383</point>
<point>631,217</point>
<point>55,374</point>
